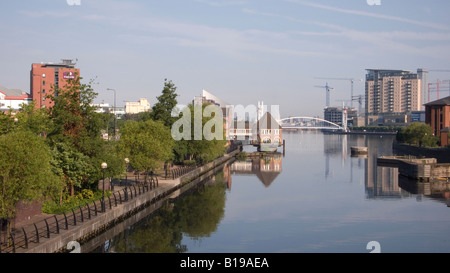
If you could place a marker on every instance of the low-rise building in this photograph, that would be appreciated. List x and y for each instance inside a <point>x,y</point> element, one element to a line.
<point>13,99</point>
<point>132,107</point>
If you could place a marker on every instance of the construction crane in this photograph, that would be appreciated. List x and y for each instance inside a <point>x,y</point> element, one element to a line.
<point>343,79</point>
<point>438,86</point>
<point>327,89</point>
<point>359,98</point>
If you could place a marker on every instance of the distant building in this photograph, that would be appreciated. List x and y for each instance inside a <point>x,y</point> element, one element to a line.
<point>12,99</point>
<point>143,105</point>
<point>47,77</point>
<point>106,108</point>
<point>207,97</point>
<point>392,92</point>
<point>337,115</point>
<point>437,115</point>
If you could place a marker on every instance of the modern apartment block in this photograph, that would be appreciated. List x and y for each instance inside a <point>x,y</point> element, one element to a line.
<point>47,77</point>
<point>392,91</point>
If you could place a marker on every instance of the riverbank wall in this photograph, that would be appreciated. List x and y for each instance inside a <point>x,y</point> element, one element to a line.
<point>441,154</point>
<point>87,233</point>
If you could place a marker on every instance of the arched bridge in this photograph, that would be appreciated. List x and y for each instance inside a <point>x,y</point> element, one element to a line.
<point>308,123</point>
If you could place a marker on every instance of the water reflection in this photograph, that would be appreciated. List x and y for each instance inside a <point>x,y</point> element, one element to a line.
<point>195,214</point>
<point>315,197</point>
<point>266,167</point>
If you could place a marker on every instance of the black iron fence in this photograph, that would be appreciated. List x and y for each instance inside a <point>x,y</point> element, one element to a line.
<point>25,236</point>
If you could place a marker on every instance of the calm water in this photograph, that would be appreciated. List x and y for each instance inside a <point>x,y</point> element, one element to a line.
<point>317,198</point>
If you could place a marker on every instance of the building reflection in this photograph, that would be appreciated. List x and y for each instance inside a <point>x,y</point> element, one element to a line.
<point>266,168</point>
<point>381,181</point>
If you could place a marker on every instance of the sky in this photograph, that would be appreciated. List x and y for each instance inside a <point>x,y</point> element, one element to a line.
<point>242,51</point>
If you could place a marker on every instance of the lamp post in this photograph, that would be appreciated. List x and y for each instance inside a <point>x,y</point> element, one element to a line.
<point>104,166</point>
<point>16,120</point>
<point>127,161</point>
<point>114,111</point>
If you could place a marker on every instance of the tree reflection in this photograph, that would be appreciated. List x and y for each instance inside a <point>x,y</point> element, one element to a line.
<point>195,215</point>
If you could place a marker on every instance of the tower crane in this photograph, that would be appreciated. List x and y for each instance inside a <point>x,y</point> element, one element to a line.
<point>344,79</point>
<point>327,89</point>
<point>360,99</point>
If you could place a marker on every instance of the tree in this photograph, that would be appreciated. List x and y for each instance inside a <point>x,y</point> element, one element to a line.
<point>417,133</point>
<point>73,115</point>
<point>35,120</point>
<point>162,110</point>
<point>148,144</point>
<point>203,140</point>
<point>26,172</point>
<point>72,166</point>
<point>6,122</point>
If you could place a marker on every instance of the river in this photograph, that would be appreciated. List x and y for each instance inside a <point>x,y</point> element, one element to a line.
<point>316,198</point>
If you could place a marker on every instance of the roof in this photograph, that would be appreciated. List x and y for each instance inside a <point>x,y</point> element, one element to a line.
<point>443,101</point>
<point>13,93</point>
<point>268,122</point>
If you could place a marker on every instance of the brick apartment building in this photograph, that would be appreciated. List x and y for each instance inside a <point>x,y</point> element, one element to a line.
<point>437,115</point>
<point>47,77</point>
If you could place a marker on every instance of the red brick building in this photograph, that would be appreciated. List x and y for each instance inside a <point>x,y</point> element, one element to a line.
<point>46,77</point>
<point>437,115</point>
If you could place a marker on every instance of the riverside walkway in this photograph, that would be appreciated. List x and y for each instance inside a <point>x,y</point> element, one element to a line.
<point>75,228</point>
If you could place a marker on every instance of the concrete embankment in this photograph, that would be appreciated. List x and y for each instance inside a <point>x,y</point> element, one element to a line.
<point>421,169</point>
<point>441,154</point>
<point>92,232</point>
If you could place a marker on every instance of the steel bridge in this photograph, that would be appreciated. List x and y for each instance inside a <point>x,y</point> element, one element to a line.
<point>310,123</point>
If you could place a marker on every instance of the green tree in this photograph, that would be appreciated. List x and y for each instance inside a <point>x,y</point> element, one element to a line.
<point>6,122</point>
<point>148,144</point>
<point>76,133</point>
<point>206,147</point>
<point>417,133</point>
<point>74,116</point>
<point>72,166</point>
<point>167,101</point>
<point>35,120</point>
<point>26,172</point>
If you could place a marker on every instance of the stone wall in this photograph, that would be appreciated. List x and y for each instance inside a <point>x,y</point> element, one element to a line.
<point>441,154</point>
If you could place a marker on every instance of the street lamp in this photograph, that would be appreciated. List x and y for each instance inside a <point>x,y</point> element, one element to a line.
<point>114,110</point>
<point>104,166</point>
<point>127,161</point>
<point>16,120</point>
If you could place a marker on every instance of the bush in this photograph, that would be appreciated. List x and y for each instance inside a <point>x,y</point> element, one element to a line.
<point>80,199</point>
<point>189,162</point>
<point>241,156</point>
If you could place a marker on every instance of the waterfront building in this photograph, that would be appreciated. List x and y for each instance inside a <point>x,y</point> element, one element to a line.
<point>46,78</point>
<point>269,133</point>
<point>389,92</point>
<point>143,105</point>
<point>12,99</point>
<point>437,115</point>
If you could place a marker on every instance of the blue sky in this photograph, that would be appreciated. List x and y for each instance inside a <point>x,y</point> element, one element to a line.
<point>243,51</point>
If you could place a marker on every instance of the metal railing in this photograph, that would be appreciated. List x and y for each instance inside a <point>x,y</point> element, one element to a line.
<point>180,171</point>
<point>25,236</point>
